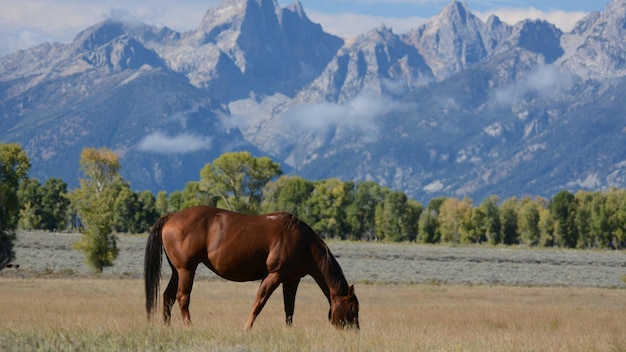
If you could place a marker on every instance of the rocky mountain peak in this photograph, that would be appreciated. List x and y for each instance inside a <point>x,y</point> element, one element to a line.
<point>244,46</point>
<point>377,35</point>
<point>613,19</point>
<point>539,37</point>
<point>584,24</point>
<point>456,11</point>
<point>106,31</point>
<point>595,48</point>
<point>99,34</point>
<point>616,8</point>
<point>452,40</point>
<point>229,16</point>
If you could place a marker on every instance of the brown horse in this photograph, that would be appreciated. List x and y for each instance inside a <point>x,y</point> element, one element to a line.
<point>274,248</point>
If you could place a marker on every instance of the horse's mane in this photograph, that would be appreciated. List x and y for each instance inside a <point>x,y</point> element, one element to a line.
<point>329,266</point>
<point>333,272</point>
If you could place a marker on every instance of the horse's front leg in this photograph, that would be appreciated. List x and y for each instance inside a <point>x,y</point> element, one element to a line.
<point>268,285</point>
<point>289,297</point>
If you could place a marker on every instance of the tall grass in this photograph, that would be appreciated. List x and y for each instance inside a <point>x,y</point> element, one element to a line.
<point>108,315</point>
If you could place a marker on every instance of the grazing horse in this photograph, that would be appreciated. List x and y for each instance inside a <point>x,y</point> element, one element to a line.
<point>274,248</point>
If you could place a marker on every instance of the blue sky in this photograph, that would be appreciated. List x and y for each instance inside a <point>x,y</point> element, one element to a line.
<point>26,23</point>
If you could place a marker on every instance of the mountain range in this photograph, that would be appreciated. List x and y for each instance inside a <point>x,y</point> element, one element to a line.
<point>455,107</point>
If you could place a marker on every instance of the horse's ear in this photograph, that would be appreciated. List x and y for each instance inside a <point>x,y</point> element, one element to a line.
<point>351,290</point>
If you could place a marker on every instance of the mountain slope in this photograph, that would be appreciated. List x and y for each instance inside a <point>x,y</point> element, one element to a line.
<point>456,106</point>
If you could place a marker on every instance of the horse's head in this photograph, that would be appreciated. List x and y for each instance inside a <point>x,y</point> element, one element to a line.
<point>344,310</point>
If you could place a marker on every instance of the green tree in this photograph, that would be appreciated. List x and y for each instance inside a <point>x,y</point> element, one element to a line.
<point>29,198</point>
<point>411,218</point>
<point>361,212</point>
<point>395,218</point>
<point>161,203</point>
<point>493,225</point>
<point>125,208</point>
<point>584,219</point>
<point>237,180</point>
<point>95,203</point>
<point>192,196</point>
<point>528,222</point>
<point>175,202</point>
<point>453,216</point>
<point>327,205</point>
<point>509,221</point>
<point>598,222</point>
<point>43,207</point>
<point>615,212</point>
<point>54,205</point>
<point>546,228</point>
<point>563,210</point>
<point>288,193</point>
<point>429,231</point>
<point>147,213</point>
<point>474,226</point>
<point>134,212</point>
<point>14,166</point>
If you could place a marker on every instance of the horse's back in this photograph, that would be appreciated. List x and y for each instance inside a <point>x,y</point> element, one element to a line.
<point>235,246</point>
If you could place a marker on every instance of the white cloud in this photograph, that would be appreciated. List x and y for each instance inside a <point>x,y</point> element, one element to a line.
<point>164,144</point>
<point>433,187</point>
<point>359,114</point>
<point>564,20</point>
<point>545,80</point>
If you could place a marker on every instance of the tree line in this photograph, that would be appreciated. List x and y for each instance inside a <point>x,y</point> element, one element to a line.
<point>104,204</point>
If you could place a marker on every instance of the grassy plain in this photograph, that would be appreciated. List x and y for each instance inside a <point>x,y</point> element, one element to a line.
<point>97,314</point>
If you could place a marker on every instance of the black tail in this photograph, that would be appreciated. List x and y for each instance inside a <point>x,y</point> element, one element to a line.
<point>152,264</point>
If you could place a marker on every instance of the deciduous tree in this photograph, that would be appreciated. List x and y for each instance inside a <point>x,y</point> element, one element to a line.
<point>528,222</point>
<point>453,214</point>
<point>161,203</point>
<point>288,193</point>
<point>29,198</point>
<point>14,166</point>
<point>429,231</point>
<point>493,225</point>
<point>563,210</point>
<point>54,204</point>
<point>95,203</point>
<point>237,180</point>
<point>328,203</point>
<point>361,212</point>
<point>509,221</point>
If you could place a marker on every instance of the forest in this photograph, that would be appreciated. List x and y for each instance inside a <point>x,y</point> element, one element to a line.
<point>105,204</point>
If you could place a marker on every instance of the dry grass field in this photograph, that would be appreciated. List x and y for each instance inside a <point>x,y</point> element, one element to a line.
<point>413,298</point>
<point>108,315</point>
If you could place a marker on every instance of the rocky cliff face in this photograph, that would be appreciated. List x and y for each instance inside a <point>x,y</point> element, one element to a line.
<point>596,50</point>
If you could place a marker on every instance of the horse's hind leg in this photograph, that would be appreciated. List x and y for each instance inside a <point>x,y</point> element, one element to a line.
<point>289,297</point>
<point>185,284</point>
<point>169,297</point>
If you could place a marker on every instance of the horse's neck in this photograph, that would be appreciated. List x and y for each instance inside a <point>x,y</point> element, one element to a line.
<point>329,275</point>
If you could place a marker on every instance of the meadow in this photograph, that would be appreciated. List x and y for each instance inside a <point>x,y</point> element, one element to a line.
<point>54,303</point>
